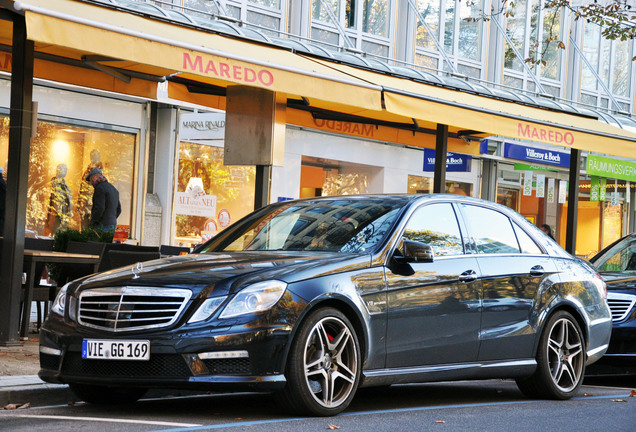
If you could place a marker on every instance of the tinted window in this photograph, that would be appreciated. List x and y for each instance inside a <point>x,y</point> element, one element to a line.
<point>436,225</point>
<point>621,257</point>
<point>492,231</point>
<point>355,225</point>
<point>528,246</point>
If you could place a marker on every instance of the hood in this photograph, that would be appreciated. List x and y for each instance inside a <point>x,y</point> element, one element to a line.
<point>620,281</point>
<point>225,272</point>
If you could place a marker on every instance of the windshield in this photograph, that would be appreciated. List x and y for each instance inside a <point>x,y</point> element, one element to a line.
<point>329,225</point>
<point>621,257</point>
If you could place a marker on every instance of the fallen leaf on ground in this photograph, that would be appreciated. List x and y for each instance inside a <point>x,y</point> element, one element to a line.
<point>440,421</point>
<point>3,354</point>
<point>587,394</point>
<point>28,355</point>
<point>25,406</point>
<point>332,427</point>
<point>632,393</point>
<point>619,400</point>
<point>17,406</point>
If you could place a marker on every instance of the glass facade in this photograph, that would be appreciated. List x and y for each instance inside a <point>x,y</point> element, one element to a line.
<point>61,156</point>
<point>209,196</point>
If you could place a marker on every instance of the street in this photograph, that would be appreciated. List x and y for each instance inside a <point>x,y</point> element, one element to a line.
<point>492,405</point>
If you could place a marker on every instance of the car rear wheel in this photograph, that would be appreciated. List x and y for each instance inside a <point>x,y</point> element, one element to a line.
<point>323,369</point>
<point>560,360</point>
<point>102,395</point>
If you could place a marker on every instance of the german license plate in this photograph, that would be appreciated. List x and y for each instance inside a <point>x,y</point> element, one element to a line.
<point>106,349</point>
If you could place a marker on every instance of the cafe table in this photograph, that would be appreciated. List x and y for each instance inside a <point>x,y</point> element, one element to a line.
<point>31,259</point>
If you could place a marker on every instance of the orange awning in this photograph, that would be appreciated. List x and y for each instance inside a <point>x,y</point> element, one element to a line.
<point>71,29</point>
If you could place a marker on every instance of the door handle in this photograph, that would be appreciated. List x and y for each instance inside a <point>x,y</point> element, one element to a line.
<point>468,276</point>
<point>537,271</point>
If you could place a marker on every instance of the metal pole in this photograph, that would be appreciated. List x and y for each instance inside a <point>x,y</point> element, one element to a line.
<point>20,122</point>
<point>261,188</point>
<point>573,200</point>
<point>441,148</point>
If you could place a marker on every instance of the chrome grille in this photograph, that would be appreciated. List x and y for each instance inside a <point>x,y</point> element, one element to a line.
<point>131,308</point>
<point>620,305</point>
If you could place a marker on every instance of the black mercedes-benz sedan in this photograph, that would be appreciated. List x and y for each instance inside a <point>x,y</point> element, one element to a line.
<point>312,299</point>
<point>617,265</point>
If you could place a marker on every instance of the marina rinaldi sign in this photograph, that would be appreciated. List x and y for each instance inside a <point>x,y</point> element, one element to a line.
<point>611,168</point>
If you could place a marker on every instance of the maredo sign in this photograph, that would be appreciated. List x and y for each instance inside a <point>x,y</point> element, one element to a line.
<point>227,71</point>
<point>544,134</point>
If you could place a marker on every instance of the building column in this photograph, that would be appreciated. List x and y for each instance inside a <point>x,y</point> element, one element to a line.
<point>20,131</point>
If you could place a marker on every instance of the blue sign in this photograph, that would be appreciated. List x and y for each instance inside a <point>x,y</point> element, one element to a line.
<point>454,161</point>
<point>537,155</point>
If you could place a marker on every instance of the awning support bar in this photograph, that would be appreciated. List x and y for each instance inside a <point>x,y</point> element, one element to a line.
<point>441,148</point>
<point>573,200</point>
<point>20,129</point>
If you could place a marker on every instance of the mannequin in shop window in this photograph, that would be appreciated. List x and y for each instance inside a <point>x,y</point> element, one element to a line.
<point>60,203</point>
<point>85,196</point>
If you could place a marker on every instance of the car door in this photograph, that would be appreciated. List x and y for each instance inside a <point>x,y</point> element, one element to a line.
<point>513,267</point>
<point>433,307</point>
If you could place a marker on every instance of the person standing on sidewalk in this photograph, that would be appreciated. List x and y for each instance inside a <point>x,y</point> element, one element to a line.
<point>106,206</point>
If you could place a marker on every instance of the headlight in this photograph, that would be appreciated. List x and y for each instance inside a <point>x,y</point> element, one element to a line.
<point>206,309</point>
<point>255,298</point>
<point>60,301</point>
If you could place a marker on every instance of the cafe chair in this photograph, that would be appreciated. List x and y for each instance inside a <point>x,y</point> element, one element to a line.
<point>69,272</point>
<point>121,258</point>
<point>167,250</point>
<point>42,293</point>
<point>105,263</point>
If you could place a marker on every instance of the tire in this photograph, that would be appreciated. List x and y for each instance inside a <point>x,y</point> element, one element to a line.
<point>323,368</point>
<point>102,395</point>
<point>560,360</point>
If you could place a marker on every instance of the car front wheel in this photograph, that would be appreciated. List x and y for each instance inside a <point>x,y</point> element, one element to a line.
<point>560,360</point>
<point>324,365</point>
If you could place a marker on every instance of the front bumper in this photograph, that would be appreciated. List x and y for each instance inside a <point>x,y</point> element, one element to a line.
<point>620,358</point>
<point>174,359</point>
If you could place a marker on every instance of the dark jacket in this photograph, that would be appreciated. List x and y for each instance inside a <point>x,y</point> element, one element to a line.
<point>106,205</point>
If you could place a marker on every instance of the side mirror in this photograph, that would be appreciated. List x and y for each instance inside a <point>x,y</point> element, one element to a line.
<point>413,251</point>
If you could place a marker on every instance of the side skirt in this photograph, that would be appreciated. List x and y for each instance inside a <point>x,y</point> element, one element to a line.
<point>449,372</point>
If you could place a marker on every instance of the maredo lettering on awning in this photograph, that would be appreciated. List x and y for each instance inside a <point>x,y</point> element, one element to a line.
<point>454,161</point>
<point>545,134</point>
<point>222,70</point>
<point>537,155</point>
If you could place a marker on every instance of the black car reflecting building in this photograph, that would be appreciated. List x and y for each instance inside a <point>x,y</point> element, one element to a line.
<point>314,298</point>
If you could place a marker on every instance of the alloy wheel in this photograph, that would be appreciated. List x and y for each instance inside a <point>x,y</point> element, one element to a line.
<point>331,362</point>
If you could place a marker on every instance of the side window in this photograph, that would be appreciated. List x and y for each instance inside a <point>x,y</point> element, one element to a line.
<point>492,231</point>
<point>436,225</point>
<point>528,246</point>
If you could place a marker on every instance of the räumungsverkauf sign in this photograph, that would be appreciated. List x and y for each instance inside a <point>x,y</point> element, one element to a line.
<point>611,168</point>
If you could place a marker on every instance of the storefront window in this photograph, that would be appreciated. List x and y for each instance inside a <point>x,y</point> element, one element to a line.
<point>61,156</point>
<point>323,177</point>
<point>418,184</point>
<point>209,196</point>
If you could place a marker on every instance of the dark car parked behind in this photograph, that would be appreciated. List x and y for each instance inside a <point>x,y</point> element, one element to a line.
<point>617,264</point>
<point>311,299</point>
